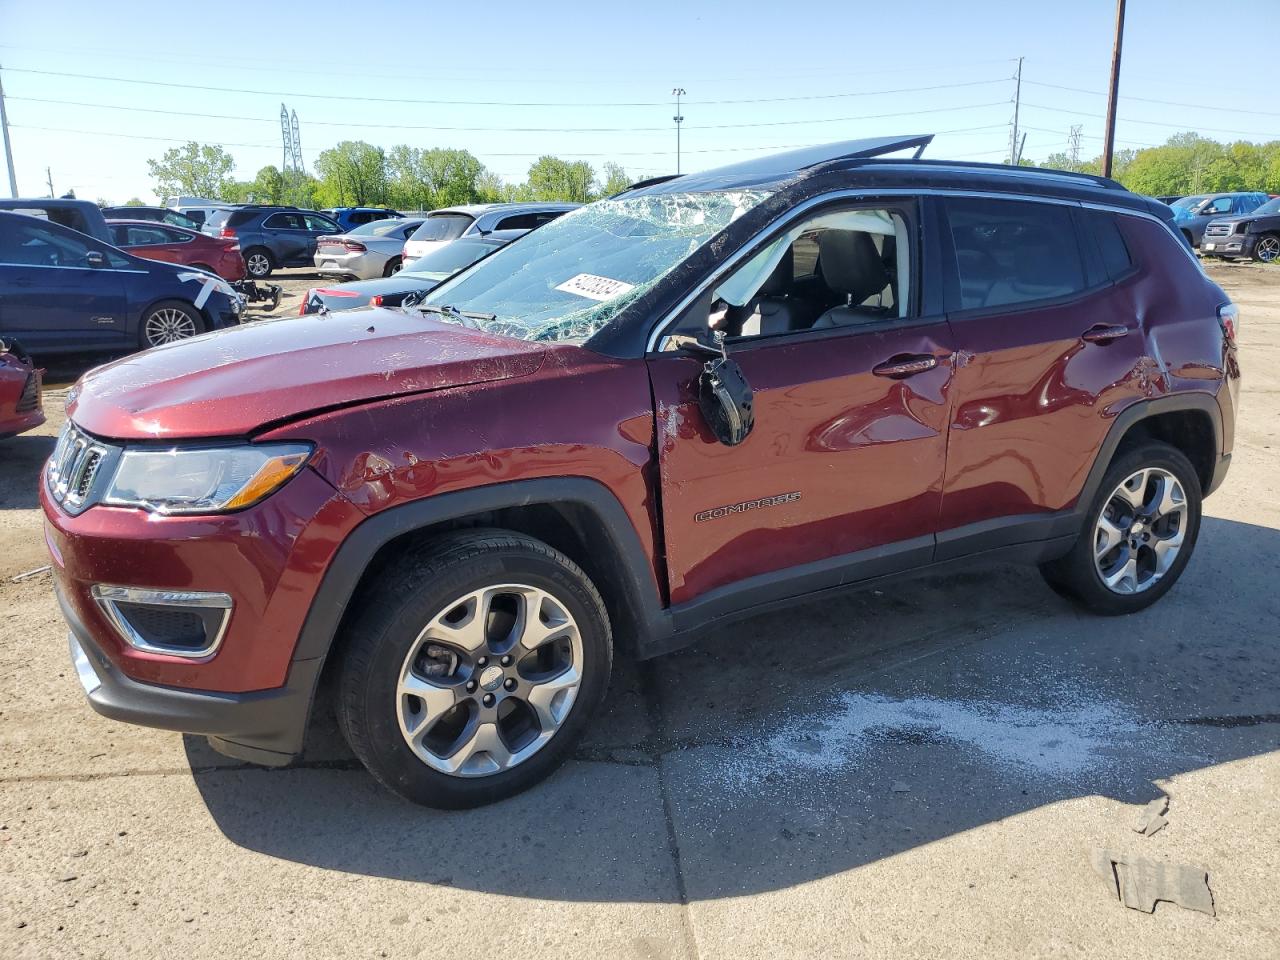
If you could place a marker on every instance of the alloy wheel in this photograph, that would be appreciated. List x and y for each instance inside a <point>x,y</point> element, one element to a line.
<point>258,265</point>
<point>1268,249</point>
<point>489,680</point>
<point>1140,531</point>
<point>167,325</point>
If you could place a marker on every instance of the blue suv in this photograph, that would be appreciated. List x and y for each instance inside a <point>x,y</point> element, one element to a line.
<point>348,218</point>
<point>272,237</point>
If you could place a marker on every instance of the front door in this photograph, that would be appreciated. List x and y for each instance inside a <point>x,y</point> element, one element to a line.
<point>50,295</point>
<point>842,475</point>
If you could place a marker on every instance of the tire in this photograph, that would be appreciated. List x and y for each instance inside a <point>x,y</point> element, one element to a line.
<point>392,267</point>
<point>1267,249</point>
<point>455,761</point>
<point>168,322</point>
<point>1081,578</point>
<point>258,262</point>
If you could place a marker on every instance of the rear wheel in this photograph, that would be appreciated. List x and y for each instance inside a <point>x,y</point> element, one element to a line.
<point>470,672</point>
<point>258,262</point>
<point>169,321</point>
<point>1138,534</point>
<point>392,267</point>
<point>1267,249</point>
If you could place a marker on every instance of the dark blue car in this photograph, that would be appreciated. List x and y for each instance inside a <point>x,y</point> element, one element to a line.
<point>349,218</point>
<point>62,291</point>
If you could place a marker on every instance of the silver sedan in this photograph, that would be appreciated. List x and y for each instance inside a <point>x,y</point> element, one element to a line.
<point>367,251</point>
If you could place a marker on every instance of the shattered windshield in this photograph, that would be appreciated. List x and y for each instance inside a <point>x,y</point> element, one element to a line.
<point>566,280</point>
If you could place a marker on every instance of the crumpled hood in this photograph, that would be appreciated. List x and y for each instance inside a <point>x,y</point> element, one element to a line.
<point>234,382</point>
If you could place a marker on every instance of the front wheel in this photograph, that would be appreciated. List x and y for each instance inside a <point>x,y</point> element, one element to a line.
<point>472,668</point>
<point>1268,248</point>
<point>170,321</point>
<point>1138,534</point>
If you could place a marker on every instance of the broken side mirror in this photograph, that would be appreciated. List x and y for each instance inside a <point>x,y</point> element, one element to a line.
<point>725,398</point>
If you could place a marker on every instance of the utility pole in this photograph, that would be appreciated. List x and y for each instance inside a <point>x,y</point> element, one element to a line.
<point>48,172</point>
<point>1109,142</point>
<point>1015,149</point>
<point>678,92</point>
<point>8,147</point>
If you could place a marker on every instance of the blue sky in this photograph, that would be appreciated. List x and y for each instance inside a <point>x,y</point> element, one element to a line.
<point>593,81</point>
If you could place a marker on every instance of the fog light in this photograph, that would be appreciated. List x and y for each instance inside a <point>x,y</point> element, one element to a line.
<point>176,623</point>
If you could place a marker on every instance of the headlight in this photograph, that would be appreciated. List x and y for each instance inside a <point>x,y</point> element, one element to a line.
<point>210,480</point>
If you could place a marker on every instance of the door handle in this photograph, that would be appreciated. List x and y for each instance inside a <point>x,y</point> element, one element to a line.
<point>1104,333</point>
<point>905,365</point>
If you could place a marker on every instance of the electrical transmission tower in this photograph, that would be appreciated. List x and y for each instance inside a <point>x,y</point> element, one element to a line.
<point>292,153</point>
<point>1073,147</point>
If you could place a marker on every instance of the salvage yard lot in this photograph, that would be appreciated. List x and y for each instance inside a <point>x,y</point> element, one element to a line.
<point>923,770</point>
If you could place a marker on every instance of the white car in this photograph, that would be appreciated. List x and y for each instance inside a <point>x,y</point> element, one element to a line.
<point>443,226</point>
<point>367,251</point>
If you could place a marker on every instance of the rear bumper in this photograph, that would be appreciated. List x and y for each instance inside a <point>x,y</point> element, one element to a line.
<point>266,727</point>
<point>363,266</point>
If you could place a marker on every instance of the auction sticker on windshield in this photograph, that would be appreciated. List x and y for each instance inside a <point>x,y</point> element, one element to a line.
<point>595,288</point>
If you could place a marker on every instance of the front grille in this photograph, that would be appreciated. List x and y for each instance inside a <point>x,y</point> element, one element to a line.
<point>30,398</point>
<point>75,467</point>
<point>1218,230</point>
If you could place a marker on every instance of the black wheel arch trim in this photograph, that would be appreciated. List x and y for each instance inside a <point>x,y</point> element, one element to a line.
<point>637,585</point>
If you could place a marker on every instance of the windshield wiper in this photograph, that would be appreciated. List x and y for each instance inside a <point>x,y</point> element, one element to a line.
<point>465,317</point>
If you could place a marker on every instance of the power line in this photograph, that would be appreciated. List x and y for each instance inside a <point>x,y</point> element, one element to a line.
<point>497,103</point>
<point>410,126</point>
<point>1149,123</point>
<point>1168,103</point>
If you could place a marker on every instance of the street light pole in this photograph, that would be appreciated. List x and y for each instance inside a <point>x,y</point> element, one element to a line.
<point>678,92</point>
<point>1109,142</point>
<point>8,147</point>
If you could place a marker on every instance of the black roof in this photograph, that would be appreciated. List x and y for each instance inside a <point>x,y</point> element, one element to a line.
<point>864,163</point>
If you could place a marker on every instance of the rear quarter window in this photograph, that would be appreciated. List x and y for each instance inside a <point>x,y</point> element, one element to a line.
<point>445,226</point>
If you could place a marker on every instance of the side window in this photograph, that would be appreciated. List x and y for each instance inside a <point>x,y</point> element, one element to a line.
<point>843,268</point>
<point>319,224</point>
<point>119,234</point>
<point>521,221</point>
<point>197,216</point>
<point>35,245</point>
<point>148,236</point>
<point>175,236</point>
<point>1012,251</point>
<point>1221,205</point>
<point>1115,253</point>
<point>283,221</point>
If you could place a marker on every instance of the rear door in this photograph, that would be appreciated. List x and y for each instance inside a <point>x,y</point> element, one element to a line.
<point>1046,341</point>
<point>51,297</point>
<point>155,242</point>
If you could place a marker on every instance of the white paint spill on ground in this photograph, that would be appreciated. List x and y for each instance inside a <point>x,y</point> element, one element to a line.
<point>1063,741</point>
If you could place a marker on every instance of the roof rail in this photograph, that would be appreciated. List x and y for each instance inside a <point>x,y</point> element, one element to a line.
<point>1004,168</point>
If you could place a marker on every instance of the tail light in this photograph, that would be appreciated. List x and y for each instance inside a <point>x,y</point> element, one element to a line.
<point>353,245</point>
<point>1229,318</point>
<point>227,233</point>
<point>302,307</point>
<point>376,301</point>
<point>335,292</point>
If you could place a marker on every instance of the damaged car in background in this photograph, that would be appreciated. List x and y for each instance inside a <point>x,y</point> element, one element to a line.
<point>406,286</point>
<point>707,397</point>
<point>21,407</point>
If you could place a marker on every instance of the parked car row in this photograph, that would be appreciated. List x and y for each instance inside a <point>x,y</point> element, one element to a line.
<point>1230,225</point>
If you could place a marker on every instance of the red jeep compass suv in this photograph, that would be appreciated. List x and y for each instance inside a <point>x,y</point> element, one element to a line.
<point>705,397</point>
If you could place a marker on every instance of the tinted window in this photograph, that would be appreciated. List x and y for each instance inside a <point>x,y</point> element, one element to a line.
<point>1115,255</point>
<point>318,224</point>
<point>178,220</point>
<point>1009,252</point>
<point>36,245</point>
<point>382,228</point>
<point>443,226</point>
<point>142,236</point>
<point>284,221</point>
<point>1270,207</point>
<point>197,216</point>
<point>526,221</point>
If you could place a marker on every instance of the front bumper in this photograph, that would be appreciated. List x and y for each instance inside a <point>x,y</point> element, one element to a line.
<point>1232,245</point>
<point>266,727</point>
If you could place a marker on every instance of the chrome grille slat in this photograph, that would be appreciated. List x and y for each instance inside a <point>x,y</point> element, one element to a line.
<point>74,467</point>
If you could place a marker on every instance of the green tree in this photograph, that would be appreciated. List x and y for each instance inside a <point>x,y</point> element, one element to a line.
<point>194,169</point>
<point>427,179</point>
<point>615,179</point>
<point>551,178</point>
<point>134,202</point>
<point>353,173</point>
